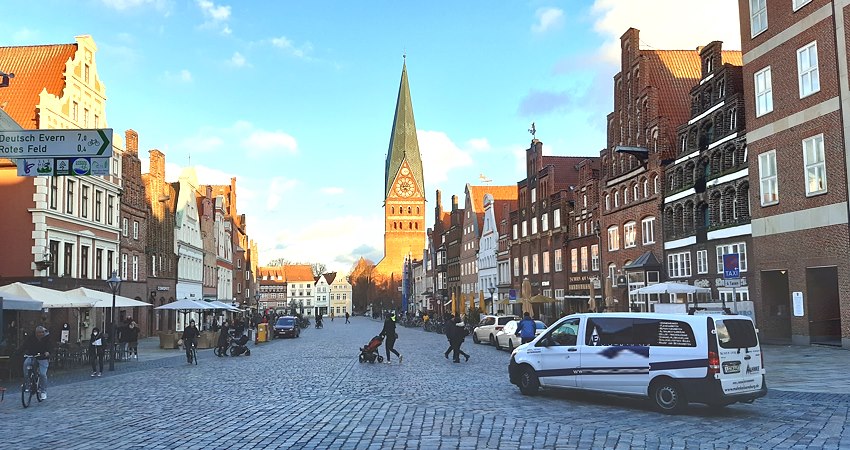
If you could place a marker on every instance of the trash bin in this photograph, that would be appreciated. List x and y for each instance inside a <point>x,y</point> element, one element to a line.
<point>262,332</point>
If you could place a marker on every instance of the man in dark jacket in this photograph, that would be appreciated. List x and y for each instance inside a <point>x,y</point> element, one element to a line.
<point>222,338</point>
<point>38,347</point>
<point>456,332</point>
<point>389,333</point>
<point>190,338</point>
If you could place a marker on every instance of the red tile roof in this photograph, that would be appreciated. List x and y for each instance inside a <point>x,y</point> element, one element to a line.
<point>674,73</point>
<point>566,170</point>
<point>299,272</point>
<point>732,57</point>
<point>36,68</point>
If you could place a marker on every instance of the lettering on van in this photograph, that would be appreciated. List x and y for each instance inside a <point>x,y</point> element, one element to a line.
<point>673,334</point>
<point>753,370</point>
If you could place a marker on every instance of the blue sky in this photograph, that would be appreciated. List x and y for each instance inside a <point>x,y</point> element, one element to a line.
<point>296,98</point>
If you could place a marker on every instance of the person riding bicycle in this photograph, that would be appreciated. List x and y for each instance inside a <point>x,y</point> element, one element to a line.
<point>319,323</point>
<point>38,347</point>
<point>190,338</point>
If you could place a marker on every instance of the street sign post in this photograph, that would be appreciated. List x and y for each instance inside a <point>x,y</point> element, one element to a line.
<point>732,277</point>
<point>55,143</point>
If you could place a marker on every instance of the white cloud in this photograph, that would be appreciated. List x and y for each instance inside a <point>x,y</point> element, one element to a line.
<point>664,28</point>
<point>440,155</point>
<point>217,13</point>
<point>24,36</point>
<point>237,60</point>
<point>547,19</point>
<point>261,142</point>
<point>478,144</point>
<point>277,187</point>
<point>333,190</point>
<point>122,5</point>
<point>289,47</point>
<point>183,76</point>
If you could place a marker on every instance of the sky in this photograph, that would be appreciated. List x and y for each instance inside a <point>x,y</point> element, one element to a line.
<point>296,98</point>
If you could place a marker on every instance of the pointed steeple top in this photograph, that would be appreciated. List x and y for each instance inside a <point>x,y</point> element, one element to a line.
<point>404,146</point>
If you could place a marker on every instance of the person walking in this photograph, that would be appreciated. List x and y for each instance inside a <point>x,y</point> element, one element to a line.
<point>132,332</point>
<point>457,336</point>
<point>96,351</point>
<point>222,338</point>
<point>346,317</point>
<point>526,328</point>
<point>390,334</point>
<point>190,339</point>
<point>449,331</point>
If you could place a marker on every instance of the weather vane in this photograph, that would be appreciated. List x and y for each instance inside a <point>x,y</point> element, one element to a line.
<point>533,131</point>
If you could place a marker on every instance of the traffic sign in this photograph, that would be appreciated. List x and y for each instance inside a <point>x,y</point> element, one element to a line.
<point>731,269</point>
<point>29,167</point>
<point>55,143</point>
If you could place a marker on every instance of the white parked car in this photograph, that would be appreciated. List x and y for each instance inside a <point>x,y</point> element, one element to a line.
<point>507,338</point>
<point>488,327</point>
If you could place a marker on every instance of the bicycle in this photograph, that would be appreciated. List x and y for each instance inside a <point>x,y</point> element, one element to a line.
<point>31,385</point>
<point>191,351</point>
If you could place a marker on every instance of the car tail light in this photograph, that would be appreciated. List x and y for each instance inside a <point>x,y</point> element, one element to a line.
<point>499,327</point>
<point>713,363</point>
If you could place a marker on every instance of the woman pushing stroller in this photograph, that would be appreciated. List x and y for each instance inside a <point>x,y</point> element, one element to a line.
<point>391,335</point>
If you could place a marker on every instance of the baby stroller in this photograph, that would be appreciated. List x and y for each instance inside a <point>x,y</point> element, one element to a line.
<point>369,352</point>
<point>238,347</point>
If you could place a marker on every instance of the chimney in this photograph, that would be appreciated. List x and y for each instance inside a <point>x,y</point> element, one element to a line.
<point>454,203</point>
<point>131,139</point>
<point>157,165</point>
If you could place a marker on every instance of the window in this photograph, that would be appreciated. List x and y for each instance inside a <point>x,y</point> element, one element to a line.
<point>69,197</point>
<point>135,267</point>
<point>559,260</point>
<point>584,201</point>
<point>616,199</point>
<point>533,195</point>
<point>516,235</point>
<point>535,263</point>
<point>584,259</point>
<point>807,69</point>
<point>702,261</point>
<point>84,204</point>
<point>758,16</point>
<point>813,159</point>
<point>556,218</point>
<point>767,178</point>
<point>655,184</point>
<point>525,265</point>
<point>516,267</point>
<point>739,248</point>
<point>84,261</point>
<point>533,225</point>
<point>607,202</point>
<point>98,205</point>
<point>68,268</point>
<point>647,227</point>
<point>764,92</point>
<point>98,263</point>
<point>594,257</point>
<point>732,120</point>
<point>524,228</point>
<point>635,192</point>
<point>544,222</point>
<point>612,274</point>
<point>574,260</point>
<point>110,262</point>
<point>565,335</point>
<point>136,230</point>
<point>54,191</point>
<point>85,117</point>
<point>679,265</point>
<point>629,234</point>
<point>545,262</point>
<point>605,331</point>
<point>75,111</point>
<point>124,227</point>
<point>645,188</point>
<point>797,4</point>
<point>613,238</point>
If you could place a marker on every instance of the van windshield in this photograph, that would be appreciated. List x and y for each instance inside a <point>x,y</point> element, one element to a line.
<point>736,333</point>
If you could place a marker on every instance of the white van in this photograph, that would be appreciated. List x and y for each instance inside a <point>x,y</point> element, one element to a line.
<point>672,359</point>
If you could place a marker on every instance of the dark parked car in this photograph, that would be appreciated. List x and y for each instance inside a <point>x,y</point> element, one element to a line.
<point>287,326</point>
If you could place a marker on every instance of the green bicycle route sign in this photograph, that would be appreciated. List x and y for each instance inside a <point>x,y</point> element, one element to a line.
<point>55,143</point>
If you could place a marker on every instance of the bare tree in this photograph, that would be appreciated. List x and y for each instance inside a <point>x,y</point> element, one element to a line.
<point>277,262</point>
<point>319,269</point>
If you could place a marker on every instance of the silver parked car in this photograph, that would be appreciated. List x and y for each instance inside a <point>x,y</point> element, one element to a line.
<point>507,338</point>
<point>488,327</point>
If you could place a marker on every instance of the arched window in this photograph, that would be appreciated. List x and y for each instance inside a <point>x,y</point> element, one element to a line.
<point>616,199</point>
<point>409,210</point>
<point>655,184</point>
<point>417,210</point>
<point>395,225</point>
<point>645,188</point>
<point>625,196</point>
<point>635,192</point>
<point>392,209</point>
<point>607,202</point>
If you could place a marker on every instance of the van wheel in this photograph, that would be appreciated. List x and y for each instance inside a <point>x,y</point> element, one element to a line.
<point>668,396</point>
<point>528,383</point>
<point>475,338</point>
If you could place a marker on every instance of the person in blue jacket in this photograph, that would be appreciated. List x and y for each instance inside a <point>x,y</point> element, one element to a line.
<point>526,328</point>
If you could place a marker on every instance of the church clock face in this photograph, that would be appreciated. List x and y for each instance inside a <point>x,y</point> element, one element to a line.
<point>404,187</point>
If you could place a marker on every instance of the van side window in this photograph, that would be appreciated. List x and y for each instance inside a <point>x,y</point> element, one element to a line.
<point>610,331</point>
<point>566,334</point>
<point>736,333</point>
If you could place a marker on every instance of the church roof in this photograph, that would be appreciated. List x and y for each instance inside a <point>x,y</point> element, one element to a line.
<point>38,68</point>
<point>403,142</point>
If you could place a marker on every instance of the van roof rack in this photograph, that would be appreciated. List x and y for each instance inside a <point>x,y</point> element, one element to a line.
<point>703,310</point>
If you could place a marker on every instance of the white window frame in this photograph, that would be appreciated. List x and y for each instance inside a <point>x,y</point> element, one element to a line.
<point>556,218</point>
<point>594,257</point>
<point>544,222</point>
<point>630,234</point>
<point>679,265</point>
<point>758,17</point>
<point>559,260</point>
<point>647,228</point>
<point>516,233</point>
<point>546,266</point>
<point>535,264</point>
<point>574,260</point>
<point>525,265</point>
<point>136,230</point>
<point>124,227</point>
<point>135,267</point>
<point>814,164</point>
<point>768,181</point>
<point>607,202</point>
<point>584,262</point>
<point>612,274</point>
<point>740,248</point>
<point>613,238</point>
<point>808,75</point>
<point>533,226</point>
<point>516,267</point>
<point>797,4</point>
<point>616,198</point>
<point>763,88</point>
<point>524,228</point>
<point>702,262</point>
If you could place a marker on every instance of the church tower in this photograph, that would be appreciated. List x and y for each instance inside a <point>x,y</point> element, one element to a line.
<point>404,189</point>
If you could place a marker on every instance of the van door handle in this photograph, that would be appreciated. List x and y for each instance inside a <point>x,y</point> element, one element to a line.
<point>748,357</point>
<point>572,349</point>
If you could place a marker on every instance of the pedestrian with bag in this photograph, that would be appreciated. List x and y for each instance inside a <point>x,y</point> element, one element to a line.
<point>96,351</point>
<point>458,334</point>
<point>346,317</point>
<point>132,333</point>
<point>526,328</point>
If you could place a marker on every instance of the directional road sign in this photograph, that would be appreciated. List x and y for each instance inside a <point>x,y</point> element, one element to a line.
<point>35,167</point>
<point>55,143</point>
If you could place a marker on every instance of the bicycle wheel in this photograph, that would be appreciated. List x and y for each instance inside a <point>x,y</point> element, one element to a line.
<point>28,389</point>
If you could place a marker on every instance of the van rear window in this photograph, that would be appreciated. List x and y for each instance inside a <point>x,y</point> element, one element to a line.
<point>736,333</point>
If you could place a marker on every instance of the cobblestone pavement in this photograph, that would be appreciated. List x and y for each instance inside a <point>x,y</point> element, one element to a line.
<point>311,392</point>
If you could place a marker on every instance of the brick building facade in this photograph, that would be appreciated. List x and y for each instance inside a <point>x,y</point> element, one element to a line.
<point>582,247</point>
<point>162,272</point>
<point>133,241</point>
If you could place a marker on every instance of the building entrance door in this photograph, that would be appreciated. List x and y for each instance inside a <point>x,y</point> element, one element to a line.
<point>776,298</point>
<point>824,309</point>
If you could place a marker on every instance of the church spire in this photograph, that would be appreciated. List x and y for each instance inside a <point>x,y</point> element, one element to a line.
<point>403,142</point>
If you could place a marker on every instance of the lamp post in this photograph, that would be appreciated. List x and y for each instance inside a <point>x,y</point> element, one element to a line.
<point>114,283</point>
<point>492,302</point>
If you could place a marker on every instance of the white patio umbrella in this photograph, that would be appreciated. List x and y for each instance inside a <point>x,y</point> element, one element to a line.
<point>224,306</point>
<point>104,299</point>
<point>669,288</point>
<point>186,305</point>
<point>49,298</point>
<point>16,296</point>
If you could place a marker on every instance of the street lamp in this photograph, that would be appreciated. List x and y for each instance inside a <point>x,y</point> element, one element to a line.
<point>492,302</point>
<point>114,284</point>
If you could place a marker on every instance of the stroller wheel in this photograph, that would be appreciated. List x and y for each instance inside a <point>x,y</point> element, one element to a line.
<point>360,358</point>
<point>247,352</point>
<point>380,359</point>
